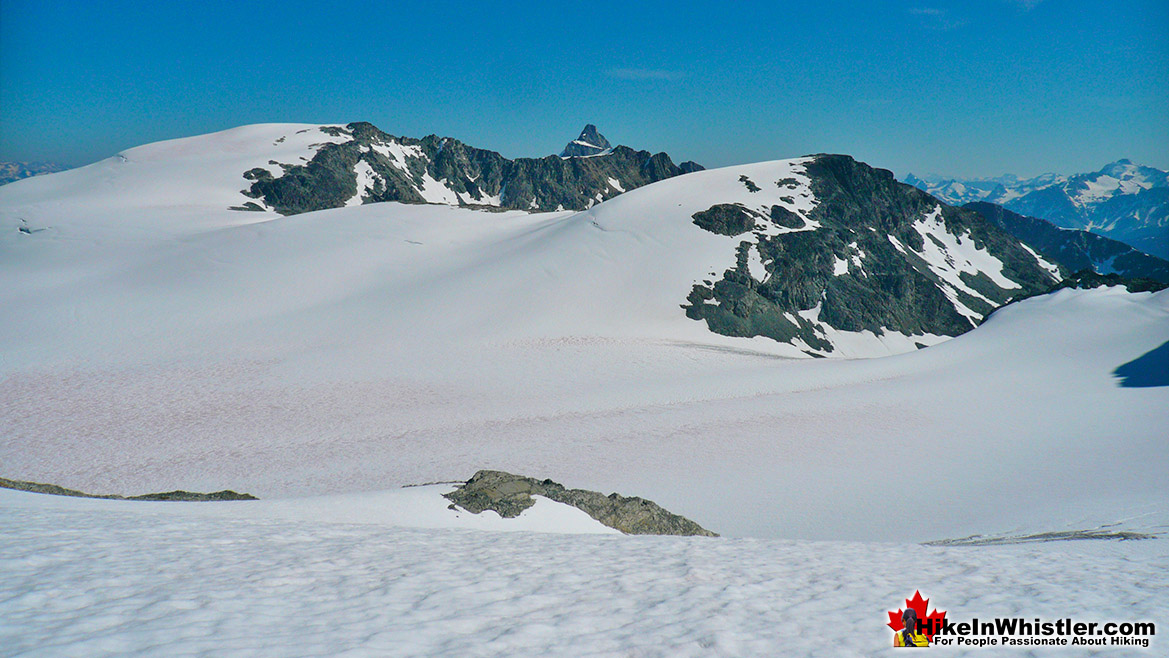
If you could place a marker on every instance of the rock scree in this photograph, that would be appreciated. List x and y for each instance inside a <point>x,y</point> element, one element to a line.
<point>509,495</point>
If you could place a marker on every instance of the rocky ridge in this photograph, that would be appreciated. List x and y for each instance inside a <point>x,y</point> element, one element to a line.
<point>178,495</point>
<point>509,495</point>
<point>371,166</point>
<point>1073,249</point>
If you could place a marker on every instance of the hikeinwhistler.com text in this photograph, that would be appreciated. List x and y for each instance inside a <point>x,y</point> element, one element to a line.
<point>1019,632</point>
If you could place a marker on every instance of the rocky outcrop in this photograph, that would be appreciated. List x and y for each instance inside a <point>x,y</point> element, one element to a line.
<point>54,490</point>
<point>444,170</point>
<point>726,219</point>
<point>191,496</point>
<point>509,495</point>
<point>1095,534</point>
<point>858,263</point>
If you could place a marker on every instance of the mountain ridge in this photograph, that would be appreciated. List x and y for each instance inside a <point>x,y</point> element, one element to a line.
<point>366,165</point>
<point>1075,249</point>
<point>849,249</point>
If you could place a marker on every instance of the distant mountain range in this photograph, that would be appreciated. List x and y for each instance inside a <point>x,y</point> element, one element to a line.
<point>1123,201</point>
<point>362,164</point>
<point>1073,249</point>
<point>14,171</point>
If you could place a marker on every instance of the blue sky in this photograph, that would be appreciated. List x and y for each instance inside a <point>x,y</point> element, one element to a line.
<point>965,89</point>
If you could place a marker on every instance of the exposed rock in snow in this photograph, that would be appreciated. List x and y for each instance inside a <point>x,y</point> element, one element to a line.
<point>509,495</point>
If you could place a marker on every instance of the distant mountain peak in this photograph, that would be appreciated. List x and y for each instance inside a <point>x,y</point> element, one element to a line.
<point>590,142</point>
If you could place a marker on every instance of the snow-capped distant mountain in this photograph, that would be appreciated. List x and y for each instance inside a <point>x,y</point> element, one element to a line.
<point>1074,249</point>
<point>14,171</point>
<point>1123,200</point>
<point>999,189</point>
<point>357,163</point>
<point>589,143</point>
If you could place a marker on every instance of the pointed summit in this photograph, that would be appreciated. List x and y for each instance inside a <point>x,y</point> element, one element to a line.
<point>590,142</point>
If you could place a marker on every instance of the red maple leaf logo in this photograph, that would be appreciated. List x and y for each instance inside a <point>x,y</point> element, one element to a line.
<point>919,606</point>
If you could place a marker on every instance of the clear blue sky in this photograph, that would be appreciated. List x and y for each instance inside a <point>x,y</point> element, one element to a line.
<point>959,88</point>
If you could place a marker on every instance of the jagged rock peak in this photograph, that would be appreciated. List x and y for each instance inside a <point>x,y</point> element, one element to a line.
<point>590,142</point>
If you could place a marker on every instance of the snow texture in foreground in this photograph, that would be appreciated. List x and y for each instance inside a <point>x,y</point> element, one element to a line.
<point>153,579</point>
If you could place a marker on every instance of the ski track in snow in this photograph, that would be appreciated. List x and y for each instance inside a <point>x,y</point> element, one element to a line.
<point>163,582</point>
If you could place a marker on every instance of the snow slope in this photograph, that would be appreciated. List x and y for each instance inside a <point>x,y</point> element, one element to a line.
<point>181,184</point>
<point>95,578</point>
<point>364,348</point>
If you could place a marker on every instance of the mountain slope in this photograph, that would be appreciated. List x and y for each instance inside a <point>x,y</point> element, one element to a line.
<point>822,256</point>
<point>184,580</point>
<point>1075,250</point>
<point>1123,201</point>
<point>829,252</point>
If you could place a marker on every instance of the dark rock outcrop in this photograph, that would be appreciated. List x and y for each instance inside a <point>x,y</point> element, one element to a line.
<point>190,496</point>
<point>413,168</point>
<point>726,219</point>
<point>509,495</point>
<point>860,210</point>
<point>54,490</point>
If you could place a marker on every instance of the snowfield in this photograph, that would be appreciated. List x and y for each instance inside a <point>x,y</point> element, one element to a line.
<point>101,578</point>
<point>152,340</point>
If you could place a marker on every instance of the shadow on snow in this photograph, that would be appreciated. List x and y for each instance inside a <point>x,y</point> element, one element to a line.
<point>1149,369</point>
